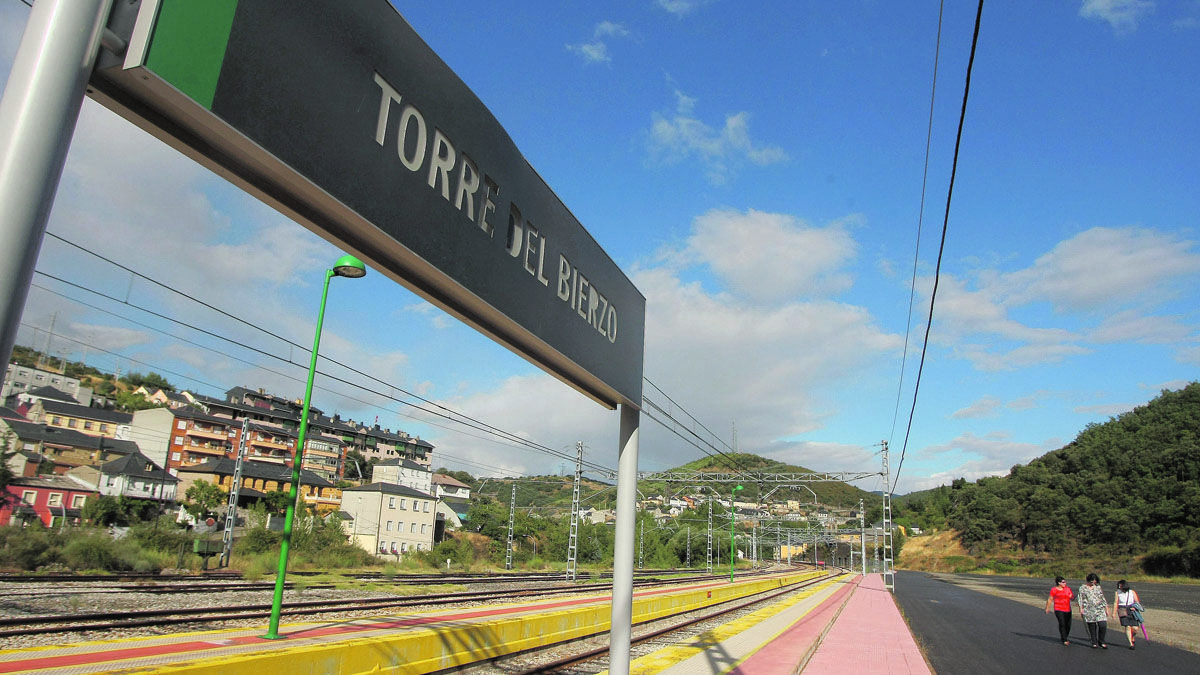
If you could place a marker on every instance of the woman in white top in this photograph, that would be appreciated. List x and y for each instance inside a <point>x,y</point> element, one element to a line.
<point>1125,597</point>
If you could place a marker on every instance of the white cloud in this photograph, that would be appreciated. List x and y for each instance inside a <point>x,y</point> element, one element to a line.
<point>679,136</point>
<point>773,369</point>
<point>681,7</point>
<point>771,257</point>
<point>1106,279</point>
<point>596,51</point>
<point>1122,15</point>
<point>984,407</point>
<point>1129,326</point>
<point>993,454</point>
<point>1105,267</point>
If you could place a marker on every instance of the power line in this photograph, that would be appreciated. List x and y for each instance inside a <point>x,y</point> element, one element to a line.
<point>437,410</point>
<point>942,246</point>
<point>937,51</point>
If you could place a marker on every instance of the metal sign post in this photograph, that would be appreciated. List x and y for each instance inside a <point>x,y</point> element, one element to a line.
<point>38,113</point>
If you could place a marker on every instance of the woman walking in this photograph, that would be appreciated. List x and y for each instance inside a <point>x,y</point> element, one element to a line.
<point>1125,597</point>
<point>1094,611</point>
<point>1060,600</point>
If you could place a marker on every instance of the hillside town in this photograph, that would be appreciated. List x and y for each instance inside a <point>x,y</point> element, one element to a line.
<point>68,444</point>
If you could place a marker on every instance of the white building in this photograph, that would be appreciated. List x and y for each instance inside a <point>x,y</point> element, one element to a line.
<point>445,486</point>
<point>390,519</point>
<point>133,475</point>
<point>21,379</point>
<point>400,471</point>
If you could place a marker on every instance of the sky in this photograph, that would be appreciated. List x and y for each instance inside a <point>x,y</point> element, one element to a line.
<point>773,178</point>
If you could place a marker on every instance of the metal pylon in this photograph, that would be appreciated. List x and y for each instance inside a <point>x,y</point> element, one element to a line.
<point>889,571</point>
<point>573,542</point>
<point>234,491</point>
<point>710,562</point>
<point>512,518</point>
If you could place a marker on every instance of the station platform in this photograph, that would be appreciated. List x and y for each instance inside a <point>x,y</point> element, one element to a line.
<point>850,626</point>
<point>849,621</point>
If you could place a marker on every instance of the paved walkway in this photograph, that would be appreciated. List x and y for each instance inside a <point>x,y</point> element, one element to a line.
<point>849,626</point>
<point>869,636</point>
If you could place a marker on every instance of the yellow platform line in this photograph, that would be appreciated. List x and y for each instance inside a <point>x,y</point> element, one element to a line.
<point>408,649</point>
<point>668,657</point>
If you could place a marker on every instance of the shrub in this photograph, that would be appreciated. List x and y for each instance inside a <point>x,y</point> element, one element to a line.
<point>91,551</point>
<point>28,548</point>
<point>1171,561</point>
<point>258,540</point>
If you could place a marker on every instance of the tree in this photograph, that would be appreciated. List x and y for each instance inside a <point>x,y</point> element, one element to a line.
<point>357,466</point>
<point>276,501</point>
<point>104,510</point>
<point>131,402</point>
<point>204,497</point>
<point>150,381</point>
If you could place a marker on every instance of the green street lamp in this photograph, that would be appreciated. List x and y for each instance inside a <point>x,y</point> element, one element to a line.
<point>352,268</point>
<point>732,550</point>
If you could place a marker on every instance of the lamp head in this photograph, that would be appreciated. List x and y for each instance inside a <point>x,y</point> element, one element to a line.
<point>350,267</point>
<point>738,488</point>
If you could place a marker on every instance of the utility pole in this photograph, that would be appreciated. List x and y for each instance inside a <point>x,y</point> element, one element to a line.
<point>889,571</point>
<point>862,535</point>
<point>512,517</point>
<point>573,540</point>
<point>234,491</point>
<point>642,545</point>
<point>710,536</point>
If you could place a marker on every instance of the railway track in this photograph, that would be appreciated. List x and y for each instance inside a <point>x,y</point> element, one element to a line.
<point>232,581</point>
<point>591,656</point>
<point>213,616</point>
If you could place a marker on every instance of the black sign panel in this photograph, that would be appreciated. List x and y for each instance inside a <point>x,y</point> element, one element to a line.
<point>341,116</point>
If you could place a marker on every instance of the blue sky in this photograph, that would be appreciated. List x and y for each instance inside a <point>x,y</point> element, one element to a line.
<point>756,169</point>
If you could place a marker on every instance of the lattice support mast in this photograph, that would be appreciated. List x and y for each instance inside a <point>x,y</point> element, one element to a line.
<point>234,492</point>
<point>889,571</point>
<point>573,541</point>
<point>512,519</point>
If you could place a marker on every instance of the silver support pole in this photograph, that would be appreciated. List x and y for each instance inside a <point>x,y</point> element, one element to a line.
<point>622,594</point>
<point>37,119</point>
<point>862,535</point>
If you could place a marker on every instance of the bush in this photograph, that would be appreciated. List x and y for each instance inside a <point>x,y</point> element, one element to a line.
<point>92,551</point>
<point>28,548</point>
<point>258,540</point>
<point>1172,561</point>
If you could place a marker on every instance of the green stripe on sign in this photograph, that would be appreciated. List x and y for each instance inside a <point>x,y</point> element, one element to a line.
<point>188,45</point>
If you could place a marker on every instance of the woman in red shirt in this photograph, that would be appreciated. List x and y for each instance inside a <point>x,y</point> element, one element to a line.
<point>1060,599</point>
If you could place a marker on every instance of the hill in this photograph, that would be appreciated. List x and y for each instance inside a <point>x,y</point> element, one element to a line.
<point>556,491</point>
<point>1124,490</point>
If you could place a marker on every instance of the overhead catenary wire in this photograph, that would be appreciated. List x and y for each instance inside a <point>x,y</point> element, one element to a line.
<point>912,291</point>
<point>701,444</point>
<point>447,412</point>
<point>437,410</point>
<point>942,246</point>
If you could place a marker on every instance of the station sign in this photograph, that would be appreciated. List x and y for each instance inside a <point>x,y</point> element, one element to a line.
<point>339,115</point>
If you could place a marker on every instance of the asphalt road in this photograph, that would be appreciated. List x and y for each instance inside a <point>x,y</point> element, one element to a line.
<point>966,631</point>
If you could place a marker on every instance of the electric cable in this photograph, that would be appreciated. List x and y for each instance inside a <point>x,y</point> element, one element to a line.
<point>942,246</point>
<point>448,414</point>
<point>912,291</point>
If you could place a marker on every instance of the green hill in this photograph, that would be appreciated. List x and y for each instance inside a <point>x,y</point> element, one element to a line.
<point>1123,490</point>
<point>556,491</point>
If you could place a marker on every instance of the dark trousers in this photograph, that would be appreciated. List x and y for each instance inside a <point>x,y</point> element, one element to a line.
<point>1064,624</point>
<point>1097,631</point>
